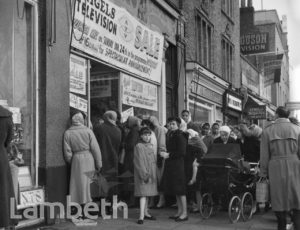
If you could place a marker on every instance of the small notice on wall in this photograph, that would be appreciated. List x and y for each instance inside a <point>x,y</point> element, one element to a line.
<point>78,103</point>
<point>77,75</point>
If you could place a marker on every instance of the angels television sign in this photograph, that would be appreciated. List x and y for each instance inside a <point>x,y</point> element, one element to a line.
<point>110,33</point>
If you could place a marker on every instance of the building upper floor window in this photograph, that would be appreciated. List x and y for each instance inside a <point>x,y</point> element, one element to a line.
<point>204,41</point>
<point>227,7</point>
<point>227,59</point>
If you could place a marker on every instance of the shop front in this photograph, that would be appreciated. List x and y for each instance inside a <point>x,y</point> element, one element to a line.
<point>204,94</point>
<point>117,65</point>
<point>232,108</point>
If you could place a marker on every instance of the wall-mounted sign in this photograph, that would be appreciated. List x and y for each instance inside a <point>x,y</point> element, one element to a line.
<point>77,75</point>
<point>139,94</point>
<point>113,35</point>
<point>78,103</point>
<point>233,102</point>
<point>205,92</point>
<point>254,43</point>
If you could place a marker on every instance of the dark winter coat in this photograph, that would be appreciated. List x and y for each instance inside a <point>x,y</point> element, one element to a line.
<point>196,149</point>
<point>174,174</point>
<point>109,138</point>
<point>6,184</point>
<point>250,149</point>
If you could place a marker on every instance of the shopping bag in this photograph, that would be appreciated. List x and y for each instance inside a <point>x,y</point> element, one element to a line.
<point>262,190</point>
<point>99,186</point>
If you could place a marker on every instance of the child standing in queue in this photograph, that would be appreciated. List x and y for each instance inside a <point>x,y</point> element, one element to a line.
<point>145,178</point>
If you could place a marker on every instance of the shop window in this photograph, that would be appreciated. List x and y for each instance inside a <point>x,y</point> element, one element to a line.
<point>227,59</point>
<point>18,91</point>
<point>199,112</point>
<point>204,41</point>
<point>227,7</point>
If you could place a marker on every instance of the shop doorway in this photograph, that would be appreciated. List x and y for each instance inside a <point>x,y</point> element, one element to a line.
<point>104,91</point>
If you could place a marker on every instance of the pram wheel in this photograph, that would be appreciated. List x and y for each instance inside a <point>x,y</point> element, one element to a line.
<point>247,206</point>
<point>206,205</point>
<point>234,209</point>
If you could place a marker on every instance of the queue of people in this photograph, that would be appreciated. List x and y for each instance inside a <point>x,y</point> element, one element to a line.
<point>164,160</point>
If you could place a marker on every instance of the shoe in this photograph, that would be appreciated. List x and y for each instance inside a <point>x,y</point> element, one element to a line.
<point>182,219</point>
<point>149,218</point>
<point>140,221</point>
<point>173,217</point>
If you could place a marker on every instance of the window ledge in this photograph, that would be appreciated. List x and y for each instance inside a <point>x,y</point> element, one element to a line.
<point>228,17</point>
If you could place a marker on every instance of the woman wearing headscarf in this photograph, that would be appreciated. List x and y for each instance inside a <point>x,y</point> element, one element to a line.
<point>174,175</point>
<point>224,137</point>
<point>108,136</point>
<point>82,151</point>
<point>6,189</point>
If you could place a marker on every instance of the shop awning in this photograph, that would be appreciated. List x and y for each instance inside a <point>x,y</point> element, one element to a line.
<point>255,109</point>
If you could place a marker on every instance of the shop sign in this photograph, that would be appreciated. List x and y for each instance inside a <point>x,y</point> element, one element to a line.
<point>110,33</point>
<point>206,92</point>
<point>78,103</point>
<point>77,75</point>
<point>138,93</point>
<point>254,43</point>
<point>31,198</point>
<point>257,112</point>
<point>250,76</point>
<point>233,102</point>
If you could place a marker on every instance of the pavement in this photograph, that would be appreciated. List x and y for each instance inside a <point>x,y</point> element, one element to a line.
<point>218,221</point>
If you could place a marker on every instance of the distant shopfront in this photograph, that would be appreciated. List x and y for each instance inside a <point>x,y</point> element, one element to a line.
<point>205,94</point>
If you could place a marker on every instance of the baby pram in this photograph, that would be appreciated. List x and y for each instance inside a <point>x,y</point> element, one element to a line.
<point>226,183</point>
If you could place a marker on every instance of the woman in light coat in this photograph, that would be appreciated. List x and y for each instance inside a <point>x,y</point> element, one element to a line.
<point>82,151</point>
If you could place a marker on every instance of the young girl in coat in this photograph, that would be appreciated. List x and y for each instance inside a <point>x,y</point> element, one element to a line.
<point>145,179</point>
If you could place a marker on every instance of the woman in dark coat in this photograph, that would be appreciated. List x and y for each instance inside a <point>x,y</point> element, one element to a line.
<point>108,136</point>
<point>6,189</point>
<point>174,176</point>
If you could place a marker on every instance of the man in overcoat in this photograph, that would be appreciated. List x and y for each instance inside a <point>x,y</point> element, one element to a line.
<point>280,161</point>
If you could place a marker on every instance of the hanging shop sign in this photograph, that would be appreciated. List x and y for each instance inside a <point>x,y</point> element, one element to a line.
<point>257,112</point>
<point>139,94</point>
<point>77,75</point>
<point>254,43</point>
<point>110,33</point>
<point>233,102</point>
<point>78,103</point>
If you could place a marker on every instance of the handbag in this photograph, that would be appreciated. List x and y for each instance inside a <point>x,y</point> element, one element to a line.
<point>262,190</point>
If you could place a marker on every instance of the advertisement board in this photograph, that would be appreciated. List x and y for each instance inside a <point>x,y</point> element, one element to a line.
<point>112,34</point>
<point>138,93</point>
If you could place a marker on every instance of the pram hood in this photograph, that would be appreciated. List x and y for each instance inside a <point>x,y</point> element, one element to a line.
<point>223,154</point>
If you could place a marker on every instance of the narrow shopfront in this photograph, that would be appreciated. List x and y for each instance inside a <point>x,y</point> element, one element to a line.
<point>204,94</point>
